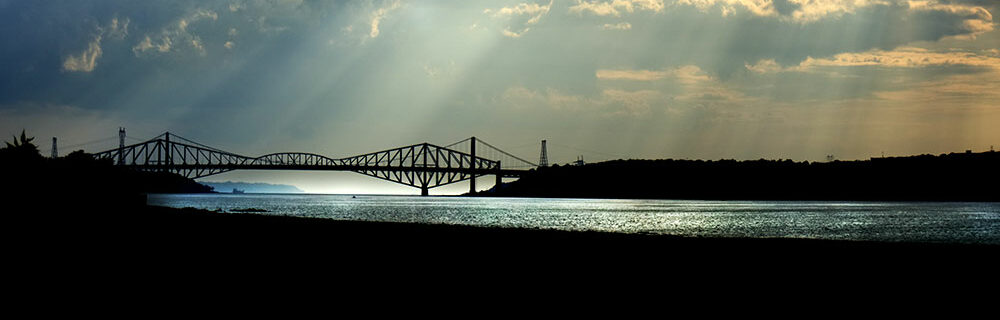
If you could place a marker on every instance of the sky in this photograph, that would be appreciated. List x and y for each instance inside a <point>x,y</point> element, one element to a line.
<point>682,79</point>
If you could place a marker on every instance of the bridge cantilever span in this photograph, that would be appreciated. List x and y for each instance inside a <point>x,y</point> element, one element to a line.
<point>423,165</point>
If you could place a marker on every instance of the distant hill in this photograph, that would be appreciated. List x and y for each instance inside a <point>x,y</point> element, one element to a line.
<point>947,177</point>
<point>252,187</point>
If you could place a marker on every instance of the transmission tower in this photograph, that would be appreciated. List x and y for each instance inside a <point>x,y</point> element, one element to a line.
<point>543,159</point>
<point>55,152</point>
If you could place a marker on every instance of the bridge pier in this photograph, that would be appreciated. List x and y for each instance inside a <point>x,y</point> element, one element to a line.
<point>496,187</point>
<point>423,191</point>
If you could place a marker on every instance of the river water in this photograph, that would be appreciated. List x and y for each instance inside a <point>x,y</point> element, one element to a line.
<point>951,222</point>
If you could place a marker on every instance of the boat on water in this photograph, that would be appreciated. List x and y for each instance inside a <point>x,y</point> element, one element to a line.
<point>238,191</point>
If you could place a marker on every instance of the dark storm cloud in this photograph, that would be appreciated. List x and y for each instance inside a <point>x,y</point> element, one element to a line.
<point>236,64</point>
<point>751,38</point>
<point>40,35</point>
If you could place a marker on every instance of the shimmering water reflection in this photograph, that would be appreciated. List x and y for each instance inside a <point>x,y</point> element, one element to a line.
<point>878,221</point>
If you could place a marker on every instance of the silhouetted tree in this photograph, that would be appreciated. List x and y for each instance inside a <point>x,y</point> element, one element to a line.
<point>20,150</point>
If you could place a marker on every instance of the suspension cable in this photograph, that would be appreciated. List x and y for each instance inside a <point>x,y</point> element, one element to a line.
<point>505,152</point>
<point>450,145</point>
<point>200,145</point>
<point>87,143</point>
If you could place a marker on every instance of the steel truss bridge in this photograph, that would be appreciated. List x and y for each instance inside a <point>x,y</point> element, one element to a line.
<point>423,165</point>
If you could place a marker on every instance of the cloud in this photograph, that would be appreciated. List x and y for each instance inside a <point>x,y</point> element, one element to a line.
<point>147,44</point>
<point>809,11</point>
<point>616,7</point>
<point>237,6</point>
<point>635,75</point>
<point>197,45</point>
<point>691,74</point>
<point>802,11</point>
<point>198,15</point>
<point>380,14</point>
<point>117,28</point>
<point>975,20</point>
<point>87,60</point>
<point>727,7</point>
<point>532,12</point>
<point>515,35</point>
<point>978,19</point>
<point>904,57</point>
<point>176,33</point>
<point>617,26</point>
<point>688,74</point>
<point>765,66</point>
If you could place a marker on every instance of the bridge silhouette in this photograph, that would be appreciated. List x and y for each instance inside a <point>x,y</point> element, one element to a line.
<point>424,165</point>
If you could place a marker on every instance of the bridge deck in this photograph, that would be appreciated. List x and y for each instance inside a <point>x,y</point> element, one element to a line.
<point>506,173</point>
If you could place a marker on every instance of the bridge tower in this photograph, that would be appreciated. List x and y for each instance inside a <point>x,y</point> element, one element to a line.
<point>166,157</point>
<point>121,146</point>
<point>543,159</point>
<point>425,176</point>
<point>472,181</point>
<point>55,152</point>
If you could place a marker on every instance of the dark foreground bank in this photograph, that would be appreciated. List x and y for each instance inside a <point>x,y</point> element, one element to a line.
<point>148,248</point>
